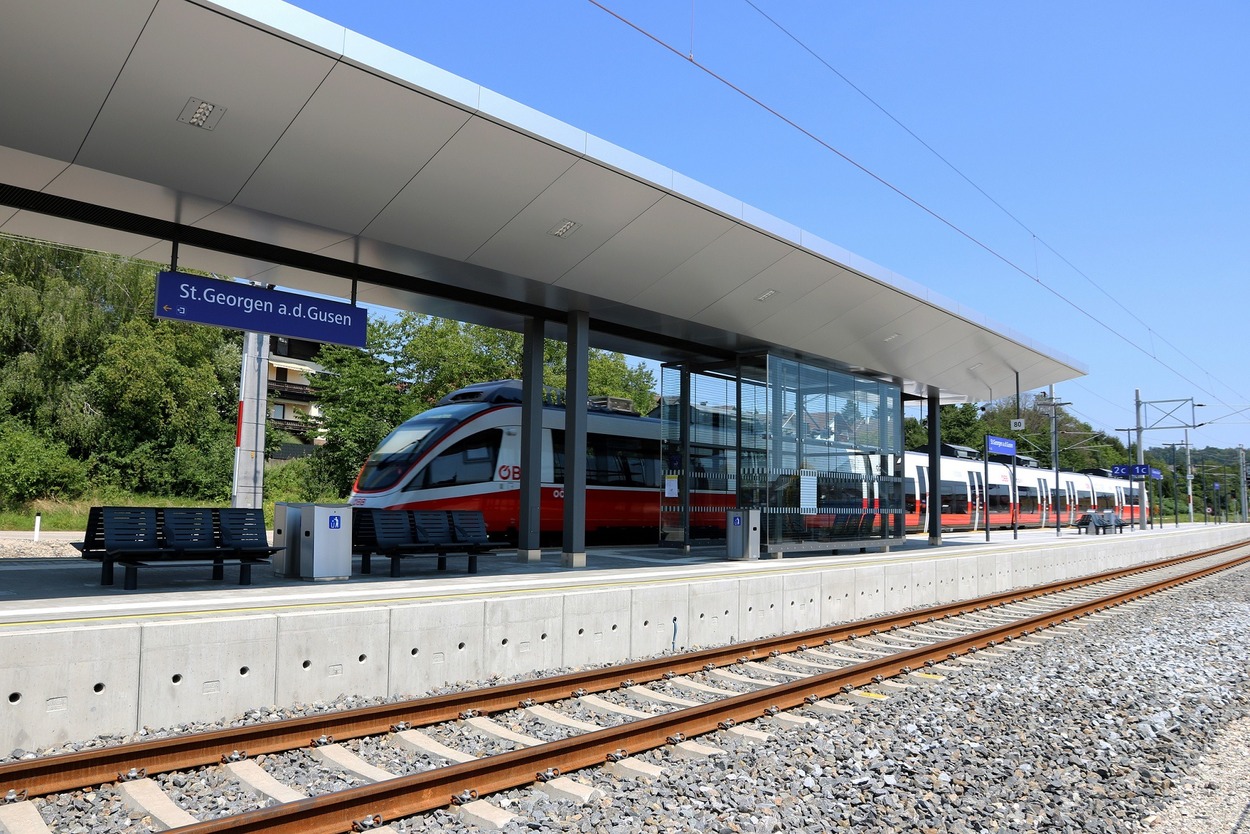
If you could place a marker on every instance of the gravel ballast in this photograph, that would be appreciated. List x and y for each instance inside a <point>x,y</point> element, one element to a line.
<point>1134,722</point>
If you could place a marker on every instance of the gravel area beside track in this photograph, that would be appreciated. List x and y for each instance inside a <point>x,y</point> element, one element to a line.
<point>1137,722</point>
<point>50,545</point>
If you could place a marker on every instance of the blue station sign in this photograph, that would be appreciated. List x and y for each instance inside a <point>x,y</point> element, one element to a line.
<point>211,301</point>
<point>1141,470</point>
<point>1119,470</point>
<point>999,445</point>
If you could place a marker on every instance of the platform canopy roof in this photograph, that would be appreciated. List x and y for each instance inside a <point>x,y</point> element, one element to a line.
<point>328,157</point>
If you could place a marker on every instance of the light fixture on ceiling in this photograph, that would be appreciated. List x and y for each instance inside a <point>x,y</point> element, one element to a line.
<point>974,367</point>
<point>892,337</point>
<point>201,114</point>
<point>766,295</point>
<point>564,228</point>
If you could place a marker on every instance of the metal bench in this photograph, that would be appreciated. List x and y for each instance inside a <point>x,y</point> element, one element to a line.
<point>399,534</point>
<point>140,537</point>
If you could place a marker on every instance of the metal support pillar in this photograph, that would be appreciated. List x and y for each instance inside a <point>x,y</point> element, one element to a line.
<point>935,467</point>
<point>576,384</point>
<point>529,525</point>
<point>249,442</point>
<point>683,434</point>
<point>899,528</point>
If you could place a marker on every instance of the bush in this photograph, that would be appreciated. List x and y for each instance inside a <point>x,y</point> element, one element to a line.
<point>34,467</point>
<point>298,480</point>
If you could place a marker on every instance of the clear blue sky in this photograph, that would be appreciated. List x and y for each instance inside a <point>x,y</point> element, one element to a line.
<point>1112,138</point>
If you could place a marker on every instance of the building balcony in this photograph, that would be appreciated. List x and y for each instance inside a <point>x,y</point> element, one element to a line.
<point>290,390</point>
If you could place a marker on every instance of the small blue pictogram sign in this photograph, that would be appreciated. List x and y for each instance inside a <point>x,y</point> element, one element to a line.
<point>737,521</point>
<point>336,522</point>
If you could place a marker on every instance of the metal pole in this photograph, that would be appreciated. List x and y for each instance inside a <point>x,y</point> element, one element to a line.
<point>1241,454</point>
<point>1189,477</point>
<point>1054,453</point>
<point>1206,495</point>
<point>1141,456</point>
<point>985,488</point>
<point>1176,498</point>
<point>1130,480</point>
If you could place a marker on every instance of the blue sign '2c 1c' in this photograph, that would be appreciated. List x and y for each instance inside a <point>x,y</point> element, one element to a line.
<point>219,303</point>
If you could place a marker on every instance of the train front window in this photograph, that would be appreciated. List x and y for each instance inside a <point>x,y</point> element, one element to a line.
<point>470,461</point>
<point>400,449</point>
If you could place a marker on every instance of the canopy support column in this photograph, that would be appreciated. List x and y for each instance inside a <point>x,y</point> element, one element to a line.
<point>935,467</point>
<point>576,385</point>
<point>529,526</point>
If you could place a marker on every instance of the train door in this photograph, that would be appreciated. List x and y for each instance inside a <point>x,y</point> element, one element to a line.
<point>1072,504</point>
<point>1121,505</point>
<point>976,498</point>
<point>1044,500</point>
<point>922,496</point>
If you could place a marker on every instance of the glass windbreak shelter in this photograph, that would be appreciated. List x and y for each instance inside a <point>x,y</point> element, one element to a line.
<point>817,451</point>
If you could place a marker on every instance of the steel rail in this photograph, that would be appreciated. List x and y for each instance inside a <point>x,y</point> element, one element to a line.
<point>69,771</point>
<point>407,795</point>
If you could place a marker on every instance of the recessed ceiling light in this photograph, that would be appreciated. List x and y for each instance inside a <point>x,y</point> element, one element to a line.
<point>974,367</point>
<point>202,114</point>
<point>892,337</point>
<point>766,295</point>
<point>564,228</point>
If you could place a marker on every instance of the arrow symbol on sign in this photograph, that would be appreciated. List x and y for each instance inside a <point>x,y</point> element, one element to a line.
<point>167,308</point>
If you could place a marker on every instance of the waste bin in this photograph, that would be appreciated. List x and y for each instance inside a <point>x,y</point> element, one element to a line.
<point>286,533</point>
<point>325,547</point>
<point>742,534</point>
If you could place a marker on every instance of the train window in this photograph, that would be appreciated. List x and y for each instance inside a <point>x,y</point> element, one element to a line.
<point>1084,500</point>
<point>400,449</point>
<point>954,497</point>
<point>1105,500</point>
<point>909,494</point>
<point>612,460</point>
<point>469,461</point>
<point>1028,499</point>
<point>999,498</point>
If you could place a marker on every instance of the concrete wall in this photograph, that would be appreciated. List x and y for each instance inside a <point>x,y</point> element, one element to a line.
<point>76,681</point>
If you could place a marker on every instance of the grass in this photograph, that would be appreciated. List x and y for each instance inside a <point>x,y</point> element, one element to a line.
<point>71,516</point>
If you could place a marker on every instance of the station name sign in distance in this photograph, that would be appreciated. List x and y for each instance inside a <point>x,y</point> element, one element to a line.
<point>1000,445</point>
<point>211,301</point>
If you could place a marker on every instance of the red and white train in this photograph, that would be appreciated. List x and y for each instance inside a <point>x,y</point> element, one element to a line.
<point>465,454</point>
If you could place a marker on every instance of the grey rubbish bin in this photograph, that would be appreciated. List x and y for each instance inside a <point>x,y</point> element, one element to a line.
<point>325,548</point>
<point>742,534</point>
<point>286,533</point>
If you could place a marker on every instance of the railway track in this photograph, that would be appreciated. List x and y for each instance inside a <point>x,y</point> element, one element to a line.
<point>516,734</point>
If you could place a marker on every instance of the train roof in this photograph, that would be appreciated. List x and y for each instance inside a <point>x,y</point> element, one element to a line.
<point>509,392</point>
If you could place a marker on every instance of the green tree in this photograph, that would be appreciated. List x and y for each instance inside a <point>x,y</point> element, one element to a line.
<point>164,424</point>
<point>362,398</point>
<point>33,467</point>
<point>58,308</point>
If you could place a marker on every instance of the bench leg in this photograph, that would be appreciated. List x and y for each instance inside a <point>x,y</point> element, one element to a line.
<point>106,571</point>
<point>245,573</point>
<point>131,580</point>
<point>366,566</point>
<point>442,562</point>
<point>395,565</point>
<point>472,563</point>
<point>219,569</point>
